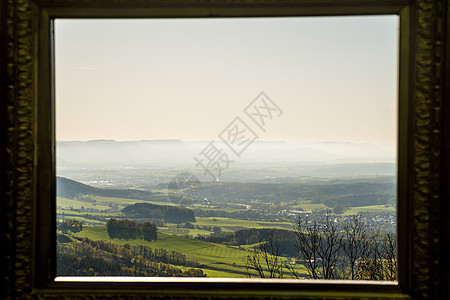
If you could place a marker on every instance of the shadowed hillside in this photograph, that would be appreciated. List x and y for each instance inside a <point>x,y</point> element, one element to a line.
<point>68,188</point>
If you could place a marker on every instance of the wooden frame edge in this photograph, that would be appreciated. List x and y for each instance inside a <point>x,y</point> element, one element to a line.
<point>23,180</point>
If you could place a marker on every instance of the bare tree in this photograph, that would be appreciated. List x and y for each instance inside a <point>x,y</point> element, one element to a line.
<point>308,243</point>
<point>266,260</point>
<point>329,249</point>
<point>379,263</point>
<point>369,264</point>
<point>293,273</point>
<point>318,245</point>
<point>355,244</point>
<point>388,253</point>
<point>351,251</point>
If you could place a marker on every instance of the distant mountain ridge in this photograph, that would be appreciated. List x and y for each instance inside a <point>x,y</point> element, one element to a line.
<point>101,153</point>
<point>67,188</point>
<point>178,153</point>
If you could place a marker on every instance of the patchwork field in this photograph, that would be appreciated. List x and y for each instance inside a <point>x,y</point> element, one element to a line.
<point>235,224</point>
<point>306,205</point>
<point>104,203</point>
<point>216,260</point>
<point>373,209</point>
<point>229,207</point>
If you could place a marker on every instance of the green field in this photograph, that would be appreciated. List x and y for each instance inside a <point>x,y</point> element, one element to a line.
<point>229,225</point>
<point>308,206</point>
<point>216,260</point>
<point>214,257</point>
<point>103,203</point>
<point>183,231</point>
<point>373,209</point>
<point>76,204</point>
<point>215,208</point>
<point>74,213</point>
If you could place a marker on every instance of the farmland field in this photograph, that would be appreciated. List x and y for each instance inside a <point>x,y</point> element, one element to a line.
<point>374,209</point>
<point>216,234</point>
<point>234,224</point>
<point>215,260</point>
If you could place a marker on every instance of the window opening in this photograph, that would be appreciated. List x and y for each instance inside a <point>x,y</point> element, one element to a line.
<point>258,147</point>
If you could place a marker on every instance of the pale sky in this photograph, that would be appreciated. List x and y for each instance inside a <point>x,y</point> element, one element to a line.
<point>335,78</point>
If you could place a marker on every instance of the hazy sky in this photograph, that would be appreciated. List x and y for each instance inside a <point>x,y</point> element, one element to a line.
<point>334,78</point>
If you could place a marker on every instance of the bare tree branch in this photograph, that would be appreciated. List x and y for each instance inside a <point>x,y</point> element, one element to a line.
<point>266,260</point>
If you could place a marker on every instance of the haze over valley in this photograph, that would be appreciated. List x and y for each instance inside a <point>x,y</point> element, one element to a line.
<point>151,162</point>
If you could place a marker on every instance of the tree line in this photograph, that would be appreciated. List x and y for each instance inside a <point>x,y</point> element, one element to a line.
<point>189,225</point>
<point>330,250</point>
<point>352,250</point>
<point>86,257</point>
<point>67,226</point>
<point>170,214</point>
<point>248,236</point>
<point>128,230</point>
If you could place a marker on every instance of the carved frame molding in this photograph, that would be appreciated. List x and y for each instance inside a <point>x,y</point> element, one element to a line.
<point>426,239</point>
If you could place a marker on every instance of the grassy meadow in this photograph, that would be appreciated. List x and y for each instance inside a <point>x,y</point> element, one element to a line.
<point>216,260</point>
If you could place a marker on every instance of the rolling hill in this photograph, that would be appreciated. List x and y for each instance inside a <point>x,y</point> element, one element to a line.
<point>68,188</point>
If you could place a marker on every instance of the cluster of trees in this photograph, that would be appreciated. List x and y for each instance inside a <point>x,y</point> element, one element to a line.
<point>86,257</point>
<point>161,255</point>
<point>67,226</point>
<point>138,252</point>
<point>351,250</point>
<point>86,198</point>
<point>127,229</point>
<point>329,250</point>
<point>170,214</point>
<point>158,222</point>
<point>189,225</point>
<point>217,238</point>
<point>254,235</point>
<point>285,238</point>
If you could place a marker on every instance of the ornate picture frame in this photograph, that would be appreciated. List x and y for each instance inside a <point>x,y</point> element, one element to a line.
<point>27,180</point>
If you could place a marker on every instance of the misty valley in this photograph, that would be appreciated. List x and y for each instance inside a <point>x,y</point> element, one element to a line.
<point>144,208</point>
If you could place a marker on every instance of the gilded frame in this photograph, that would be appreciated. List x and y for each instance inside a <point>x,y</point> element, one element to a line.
<point>27,177</point>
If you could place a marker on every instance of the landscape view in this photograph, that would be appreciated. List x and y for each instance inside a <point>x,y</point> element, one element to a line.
<point>222,228</point>
<point>243,148</point>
